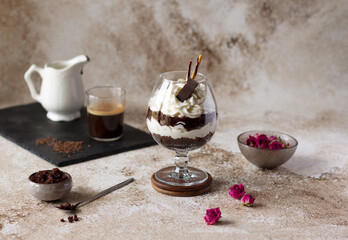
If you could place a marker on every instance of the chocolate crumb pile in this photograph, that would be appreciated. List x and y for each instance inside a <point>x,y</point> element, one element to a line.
<point>67,147</point>
<point>48,176</point>
<point>67,206</point>
<point>71,219</point>
<point>42,141</point>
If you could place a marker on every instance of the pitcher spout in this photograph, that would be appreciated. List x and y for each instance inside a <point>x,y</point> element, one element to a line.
<point>78,62</point>
<point>81,59</point>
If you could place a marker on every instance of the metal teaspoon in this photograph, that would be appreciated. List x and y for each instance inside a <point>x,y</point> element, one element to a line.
<point>73,207</point>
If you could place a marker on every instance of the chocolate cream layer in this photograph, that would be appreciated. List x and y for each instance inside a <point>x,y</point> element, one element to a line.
<point>187,122</point>
<point>182,143</point>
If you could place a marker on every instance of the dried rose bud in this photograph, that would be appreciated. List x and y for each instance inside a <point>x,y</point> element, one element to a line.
<point>237,191</point>
<point>275,145</point>
<point>212,216</point>
<point>262,140</point>
<point>247,200</point>
<point>251,141</point>
<point>264,145</point>
<point>272,138</point>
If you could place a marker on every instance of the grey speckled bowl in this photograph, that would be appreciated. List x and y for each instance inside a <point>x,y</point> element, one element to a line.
<point>265,158</point>
<point>50,191</point>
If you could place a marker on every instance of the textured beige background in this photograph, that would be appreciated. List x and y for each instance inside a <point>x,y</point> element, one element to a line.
<point>280,65</point>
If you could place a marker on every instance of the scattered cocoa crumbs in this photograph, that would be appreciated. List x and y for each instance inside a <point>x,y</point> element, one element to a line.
<point>42,141</point>
<point>67,206</point>
<point>66,147</point>
<point>71,219</point>
<point>48,176</point>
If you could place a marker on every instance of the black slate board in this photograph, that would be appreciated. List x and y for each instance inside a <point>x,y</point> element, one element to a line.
<point>26,123</point>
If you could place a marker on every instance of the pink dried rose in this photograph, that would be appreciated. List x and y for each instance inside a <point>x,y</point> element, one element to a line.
<point>275,145</point>
<point>272,138</point>
<point>212,216</point>
<point>251,141</point>
<point>262,141</point>
<point>237,191</point>
<point>264,145</point>
<point>247,200</point>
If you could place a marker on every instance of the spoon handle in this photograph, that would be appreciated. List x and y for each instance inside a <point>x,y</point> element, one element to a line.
<point>106,191</point>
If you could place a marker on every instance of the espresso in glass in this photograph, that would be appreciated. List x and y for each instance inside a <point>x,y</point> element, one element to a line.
<point>105,111</point>
<point>106,121</point>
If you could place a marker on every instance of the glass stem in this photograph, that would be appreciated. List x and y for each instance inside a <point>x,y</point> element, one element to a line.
<point>181,162</point>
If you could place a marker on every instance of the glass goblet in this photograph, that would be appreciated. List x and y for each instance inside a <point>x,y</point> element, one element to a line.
<point>181,126</point>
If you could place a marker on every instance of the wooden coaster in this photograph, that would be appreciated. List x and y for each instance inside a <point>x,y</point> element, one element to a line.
<point>182,191</point>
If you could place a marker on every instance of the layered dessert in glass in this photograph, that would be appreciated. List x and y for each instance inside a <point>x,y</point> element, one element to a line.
<point>181,116</point>
<point>181,126</point>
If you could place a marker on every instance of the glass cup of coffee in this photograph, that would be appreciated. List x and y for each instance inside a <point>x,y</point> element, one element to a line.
<point>105,112</point>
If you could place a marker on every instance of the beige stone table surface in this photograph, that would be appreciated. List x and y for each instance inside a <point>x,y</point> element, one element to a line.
<point>279,65</point>
<point>306,198</point>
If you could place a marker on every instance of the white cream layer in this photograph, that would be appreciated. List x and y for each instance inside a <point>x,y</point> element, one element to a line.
<point>179,131</point>
<point>165,100</point>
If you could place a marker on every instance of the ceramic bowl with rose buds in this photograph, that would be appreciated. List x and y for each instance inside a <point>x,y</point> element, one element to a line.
<point>266,148</point>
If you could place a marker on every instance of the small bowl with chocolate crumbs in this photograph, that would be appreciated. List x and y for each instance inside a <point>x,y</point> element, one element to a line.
<point>49,185</point>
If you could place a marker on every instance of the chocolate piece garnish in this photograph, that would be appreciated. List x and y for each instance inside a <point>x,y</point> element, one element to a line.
<point>191,84</point>
<point>187,90</point>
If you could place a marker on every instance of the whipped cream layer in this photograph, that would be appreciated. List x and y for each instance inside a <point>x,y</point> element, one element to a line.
<point>165,100</point>
<point>179,131</point>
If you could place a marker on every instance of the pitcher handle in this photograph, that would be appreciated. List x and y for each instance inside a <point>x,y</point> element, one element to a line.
<point>27,76</point>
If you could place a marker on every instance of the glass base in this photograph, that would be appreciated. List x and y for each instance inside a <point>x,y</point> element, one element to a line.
<point>106,139</point>
<point>170,176</point>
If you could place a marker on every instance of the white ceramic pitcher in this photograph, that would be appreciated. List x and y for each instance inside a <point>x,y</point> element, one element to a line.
<point>62,91</point>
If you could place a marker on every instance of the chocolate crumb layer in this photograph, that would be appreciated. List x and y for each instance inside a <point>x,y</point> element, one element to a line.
<point>182,143</point>
<point>188,123</point>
